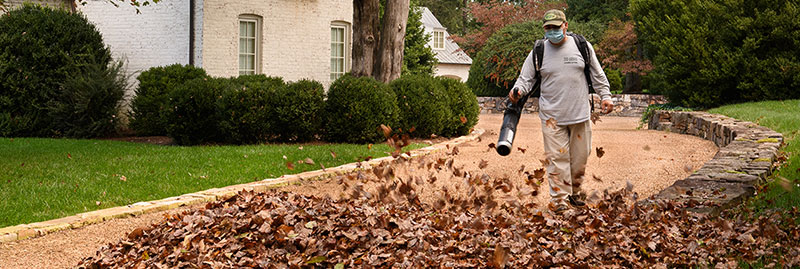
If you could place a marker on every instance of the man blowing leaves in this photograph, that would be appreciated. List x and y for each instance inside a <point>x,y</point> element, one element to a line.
<point>563,106</point>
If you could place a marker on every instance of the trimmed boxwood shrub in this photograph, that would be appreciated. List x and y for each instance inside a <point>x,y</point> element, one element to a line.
<point>424,104</point>
<point>193,117</point>
<point>298,108</point>
<point>356,108</point>
<point>89,101</point>
<point>150,105</point>
<point>463,105</point>
<point>246,111</point>
<point>40,48</point>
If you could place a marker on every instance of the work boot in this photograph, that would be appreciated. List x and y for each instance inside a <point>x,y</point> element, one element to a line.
<point>577,200</point>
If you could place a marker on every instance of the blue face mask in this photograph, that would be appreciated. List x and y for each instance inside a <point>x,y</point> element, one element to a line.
<point>555,35</point>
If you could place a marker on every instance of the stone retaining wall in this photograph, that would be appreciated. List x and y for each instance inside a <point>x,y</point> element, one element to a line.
<point>626,105</point>
<point>746,157</point>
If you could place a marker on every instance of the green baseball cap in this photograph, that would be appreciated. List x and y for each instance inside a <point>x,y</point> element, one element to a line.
<point>554,17</point>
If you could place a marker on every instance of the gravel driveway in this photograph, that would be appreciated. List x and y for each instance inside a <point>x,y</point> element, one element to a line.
<point>650,160</point>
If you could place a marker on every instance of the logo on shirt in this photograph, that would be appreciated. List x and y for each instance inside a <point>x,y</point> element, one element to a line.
<point>571,60</point>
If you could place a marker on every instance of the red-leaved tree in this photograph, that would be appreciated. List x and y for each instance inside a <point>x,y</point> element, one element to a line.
<point>620,49</point>
<point>493,15</point>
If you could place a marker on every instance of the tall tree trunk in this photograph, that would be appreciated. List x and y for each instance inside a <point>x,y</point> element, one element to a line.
<point>389,60</point>
<point>365,39</point>
<point>633,81</point>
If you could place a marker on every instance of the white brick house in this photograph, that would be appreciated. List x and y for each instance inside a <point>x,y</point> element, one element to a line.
<point>293,39</point>
<point>453,62</point>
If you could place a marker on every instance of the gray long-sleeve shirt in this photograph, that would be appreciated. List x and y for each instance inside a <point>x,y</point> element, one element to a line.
<point>564,89</point>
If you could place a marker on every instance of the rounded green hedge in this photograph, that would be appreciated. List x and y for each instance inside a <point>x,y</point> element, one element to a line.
<point>40,48</point>
<point>355,109</point>
<point>298,111</point>
<point>246,110</point>
<point>463,106</point>
<point>424,105</point>
<point>193,117</point>
<point>150,105</point>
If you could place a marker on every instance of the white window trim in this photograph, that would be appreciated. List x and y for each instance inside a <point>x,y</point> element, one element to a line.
<point>347,45</point>
<point>257,20</point>
<point>433,39</point>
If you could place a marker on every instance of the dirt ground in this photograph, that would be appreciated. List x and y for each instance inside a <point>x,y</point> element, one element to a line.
<point>650,160</point>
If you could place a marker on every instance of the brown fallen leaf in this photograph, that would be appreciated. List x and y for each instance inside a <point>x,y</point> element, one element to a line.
<point>522,150</point>
<point>600,152</point>
<point>552,123</point>
<point>463,120</point>
<point>123,178</point>
<point>521,169</point>
<point>646,148</point>
<point>595,117</point>
<point>69,156</point>
<point>290,165</point>
<point>369,146</point>
<point>492,146</point>
<point>596,178</point>
<point>785,183</point>
<point>308,161</point>
<point>386,131</point>
<point>483,164</point>
<point>97,203</point>
<point>545,162</point>
<point>333,154</point>
<point>500,256</point>
<point>136,233</point>
<point>539,173</point>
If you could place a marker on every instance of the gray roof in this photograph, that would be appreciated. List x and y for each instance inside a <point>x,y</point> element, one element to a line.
<point>451,54</point>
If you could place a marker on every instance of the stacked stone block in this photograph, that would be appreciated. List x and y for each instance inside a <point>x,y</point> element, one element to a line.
<point>626,105</point>
<point>746,157</point>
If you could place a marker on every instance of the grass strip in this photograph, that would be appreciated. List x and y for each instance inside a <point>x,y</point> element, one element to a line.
<point>43,179</point>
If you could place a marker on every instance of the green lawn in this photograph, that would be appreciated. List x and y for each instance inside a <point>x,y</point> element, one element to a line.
<point>43,179</point>
<point>783,117</point>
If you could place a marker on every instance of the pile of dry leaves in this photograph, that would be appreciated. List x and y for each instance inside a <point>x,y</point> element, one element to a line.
<point>493,226</point>
<point>277,230</point>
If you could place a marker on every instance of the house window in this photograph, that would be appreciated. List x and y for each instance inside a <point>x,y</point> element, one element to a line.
<point>339,49</point>
<point>249,45</point>
<point>438,40</point>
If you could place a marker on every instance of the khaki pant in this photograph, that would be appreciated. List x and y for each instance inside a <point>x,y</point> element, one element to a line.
<point>567,149</point>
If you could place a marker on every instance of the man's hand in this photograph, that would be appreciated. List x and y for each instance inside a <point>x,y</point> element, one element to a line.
<point>607,106</point>
<point>514,95</point>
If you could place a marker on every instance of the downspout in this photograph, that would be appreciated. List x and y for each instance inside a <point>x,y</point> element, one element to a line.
<point>191,32</point>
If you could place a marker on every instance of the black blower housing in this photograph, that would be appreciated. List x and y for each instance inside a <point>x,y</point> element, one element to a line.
<point>509,128</point>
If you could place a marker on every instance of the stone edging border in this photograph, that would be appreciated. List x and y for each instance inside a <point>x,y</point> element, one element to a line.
<point>25,231</point>
<point>746,157</point>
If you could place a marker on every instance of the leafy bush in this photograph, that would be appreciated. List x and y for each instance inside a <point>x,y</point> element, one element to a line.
<point>496,67</point>
<point>193,117</point>
<point>151,103</point>
<point>298,110</point>
<point>259,80</point>
<point>614,80</point>
<point>424,104</point>
<point>40,48</point>
<point>355,109</point>
<point>418,57</point>
<point>731,52</point>
<point>463,105</point>
<point>89,101</point>
<point>246,110</point>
